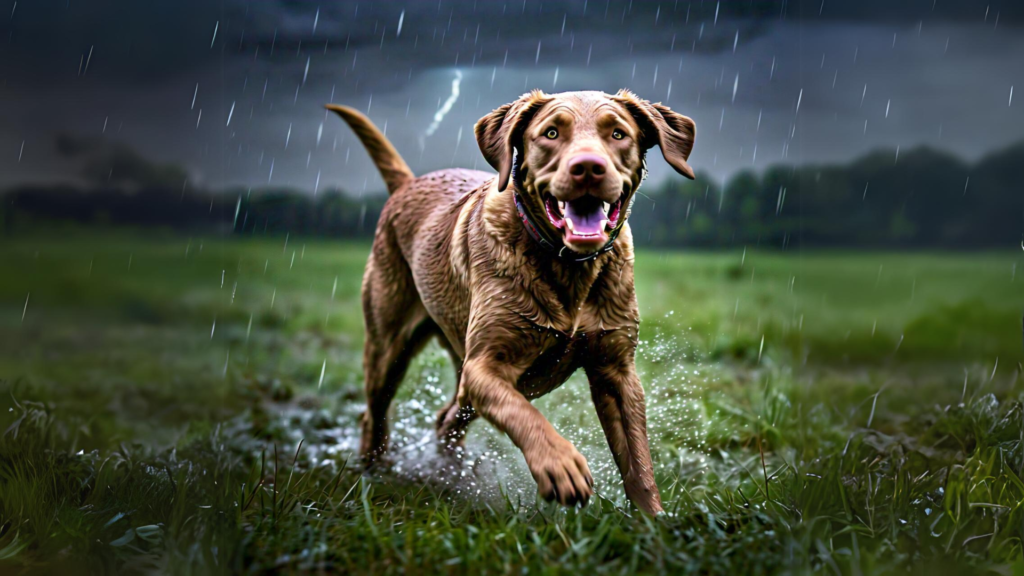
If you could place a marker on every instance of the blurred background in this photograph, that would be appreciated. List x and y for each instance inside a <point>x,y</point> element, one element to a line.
<point>819,123</point>
<point>832,304</point>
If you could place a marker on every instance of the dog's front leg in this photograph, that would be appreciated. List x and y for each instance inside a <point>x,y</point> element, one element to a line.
<point>619,399</point>
<point>560,470</point>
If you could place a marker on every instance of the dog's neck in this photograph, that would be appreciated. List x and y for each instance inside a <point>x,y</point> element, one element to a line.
<point>561,285</point>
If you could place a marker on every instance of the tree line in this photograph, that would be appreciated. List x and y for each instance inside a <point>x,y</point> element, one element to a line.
<point>921,198</point>
<point>917,199</point>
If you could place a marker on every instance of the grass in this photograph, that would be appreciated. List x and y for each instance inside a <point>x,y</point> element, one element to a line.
<point>189,406</point>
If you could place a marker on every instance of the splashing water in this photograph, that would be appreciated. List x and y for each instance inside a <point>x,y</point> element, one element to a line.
<point>489,466</point>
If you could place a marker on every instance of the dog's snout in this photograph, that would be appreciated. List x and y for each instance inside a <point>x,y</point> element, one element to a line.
<point>587,167</point>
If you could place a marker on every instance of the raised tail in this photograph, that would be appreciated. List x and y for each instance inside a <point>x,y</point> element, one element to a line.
<point>392,168</point>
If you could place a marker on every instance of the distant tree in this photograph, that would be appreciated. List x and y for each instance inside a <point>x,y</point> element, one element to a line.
<point>922,199</point>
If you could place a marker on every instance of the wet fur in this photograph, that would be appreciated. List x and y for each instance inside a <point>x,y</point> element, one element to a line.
<point>451,260</point>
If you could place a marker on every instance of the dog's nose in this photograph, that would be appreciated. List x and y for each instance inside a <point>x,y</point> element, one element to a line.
<point>587,168</point>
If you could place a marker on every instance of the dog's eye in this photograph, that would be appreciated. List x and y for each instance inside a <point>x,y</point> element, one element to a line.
<point>618,134</point>
<point>551,134</point>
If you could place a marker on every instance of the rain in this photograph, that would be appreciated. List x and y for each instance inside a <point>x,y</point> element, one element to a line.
<point>835,235</point>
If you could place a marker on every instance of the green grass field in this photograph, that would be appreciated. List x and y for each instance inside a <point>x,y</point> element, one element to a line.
<point>189,406</point>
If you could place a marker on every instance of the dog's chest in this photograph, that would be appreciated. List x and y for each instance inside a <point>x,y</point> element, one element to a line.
<point>557,358</point>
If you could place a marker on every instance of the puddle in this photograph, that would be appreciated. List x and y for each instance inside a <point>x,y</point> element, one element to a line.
<point>490,468</point>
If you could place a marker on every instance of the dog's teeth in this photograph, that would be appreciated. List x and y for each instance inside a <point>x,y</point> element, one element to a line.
<point>603,224</point>
<point>561,207</point>
<point>569,224</point>
<point>606,207</point>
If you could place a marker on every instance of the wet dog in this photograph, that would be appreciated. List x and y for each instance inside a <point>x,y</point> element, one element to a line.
<point>525,277</point>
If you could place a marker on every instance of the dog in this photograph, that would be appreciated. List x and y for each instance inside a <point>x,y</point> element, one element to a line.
<point>523,277</point>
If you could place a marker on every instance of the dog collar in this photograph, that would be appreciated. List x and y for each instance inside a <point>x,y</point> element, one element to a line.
<point>556,246</point>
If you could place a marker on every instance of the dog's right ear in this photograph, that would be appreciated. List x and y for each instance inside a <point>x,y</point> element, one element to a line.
<point>659,125</point>
<point>500,133</point>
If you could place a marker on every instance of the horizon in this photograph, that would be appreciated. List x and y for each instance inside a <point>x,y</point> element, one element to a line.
<point>702,175</point>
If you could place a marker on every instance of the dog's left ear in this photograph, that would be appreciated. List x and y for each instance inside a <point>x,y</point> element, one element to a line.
<point>500,133</point>
<point>672,132</point>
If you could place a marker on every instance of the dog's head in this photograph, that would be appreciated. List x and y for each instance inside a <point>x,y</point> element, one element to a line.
<point>580,157</point>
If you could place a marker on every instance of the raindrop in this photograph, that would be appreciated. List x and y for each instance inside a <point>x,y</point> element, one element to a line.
<point>87,60</point>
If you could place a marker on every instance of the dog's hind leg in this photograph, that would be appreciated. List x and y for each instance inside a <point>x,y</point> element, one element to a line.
<point>397,327</point>
<point>453,420</point>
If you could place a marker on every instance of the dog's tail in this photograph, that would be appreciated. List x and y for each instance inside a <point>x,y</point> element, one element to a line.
<point>392,168</point>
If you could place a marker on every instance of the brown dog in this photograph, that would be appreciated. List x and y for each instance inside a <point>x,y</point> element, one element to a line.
<point>522,286</point>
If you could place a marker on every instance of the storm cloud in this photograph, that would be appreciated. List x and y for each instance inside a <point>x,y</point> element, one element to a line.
<point>766,82</point>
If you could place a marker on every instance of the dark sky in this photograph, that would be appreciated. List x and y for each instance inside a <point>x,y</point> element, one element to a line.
<point>766,82</point>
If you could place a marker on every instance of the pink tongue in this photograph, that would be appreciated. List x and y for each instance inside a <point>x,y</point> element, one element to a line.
<point>587,217</point>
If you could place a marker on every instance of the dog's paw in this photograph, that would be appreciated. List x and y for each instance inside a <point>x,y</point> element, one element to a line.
<point>643,493</point>
<point>562,474</point>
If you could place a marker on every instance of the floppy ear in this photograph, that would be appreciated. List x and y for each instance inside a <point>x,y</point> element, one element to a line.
<point>499,133</point>
<point>672,132</point>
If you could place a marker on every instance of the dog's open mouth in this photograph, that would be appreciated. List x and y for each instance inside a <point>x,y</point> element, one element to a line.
<point>584,221</point>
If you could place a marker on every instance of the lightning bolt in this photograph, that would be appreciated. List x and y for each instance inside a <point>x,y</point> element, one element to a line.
<point>447,106</point>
